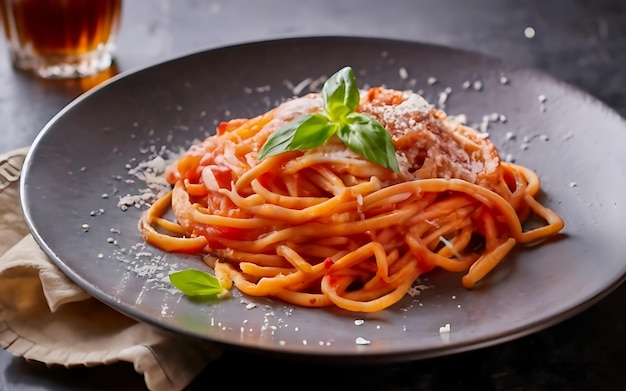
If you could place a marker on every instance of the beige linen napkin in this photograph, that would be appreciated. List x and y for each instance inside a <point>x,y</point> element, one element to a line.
<point>45,317</point>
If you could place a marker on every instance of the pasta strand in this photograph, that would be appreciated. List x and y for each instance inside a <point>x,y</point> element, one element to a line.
<point>326,227</point>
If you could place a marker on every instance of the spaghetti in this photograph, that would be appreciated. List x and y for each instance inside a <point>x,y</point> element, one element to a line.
<point>327,227</point>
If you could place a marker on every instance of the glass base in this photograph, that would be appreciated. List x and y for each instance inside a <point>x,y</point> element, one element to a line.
<point>60,67</point>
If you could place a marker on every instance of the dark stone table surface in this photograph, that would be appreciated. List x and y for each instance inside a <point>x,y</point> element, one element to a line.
<point>580,42</point>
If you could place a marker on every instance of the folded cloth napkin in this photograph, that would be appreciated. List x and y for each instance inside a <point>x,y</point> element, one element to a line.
<point>45,317</point>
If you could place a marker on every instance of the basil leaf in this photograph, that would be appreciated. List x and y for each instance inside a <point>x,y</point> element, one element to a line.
<point>340,94</point>
<point>367,137</point>
<point>362,134</point>
<point>196,282</point>
<point>305,132</point>
<point>315,131</point>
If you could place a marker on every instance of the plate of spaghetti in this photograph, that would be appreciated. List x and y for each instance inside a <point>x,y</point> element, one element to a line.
<point>395,201</point>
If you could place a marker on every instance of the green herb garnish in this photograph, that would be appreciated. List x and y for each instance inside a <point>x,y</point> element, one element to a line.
<point>196,282</point>
<point>359,132</point>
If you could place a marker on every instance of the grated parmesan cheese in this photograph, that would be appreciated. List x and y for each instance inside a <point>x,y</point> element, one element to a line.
<point>149,172</point>
<point>403,73</point>
<point>298,88</point>
<point>362,341</point>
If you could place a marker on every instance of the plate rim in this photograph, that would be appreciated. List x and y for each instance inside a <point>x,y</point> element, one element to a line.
<point>508,336</point>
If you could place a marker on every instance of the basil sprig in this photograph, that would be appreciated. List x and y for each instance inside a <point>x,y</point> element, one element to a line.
<point>196,282</point>
<point>359,132</point>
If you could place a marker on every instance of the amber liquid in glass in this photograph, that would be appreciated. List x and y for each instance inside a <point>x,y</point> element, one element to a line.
<point>50,29</point>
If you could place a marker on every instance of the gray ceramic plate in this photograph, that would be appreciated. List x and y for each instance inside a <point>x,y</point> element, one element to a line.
<point>81,164</point>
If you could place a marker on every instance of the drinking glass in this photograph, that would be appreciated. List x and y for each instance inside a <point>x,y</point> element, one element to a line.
<point>61,38</point>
